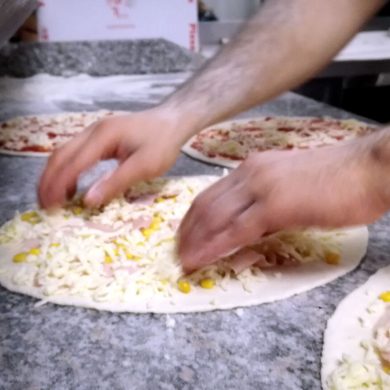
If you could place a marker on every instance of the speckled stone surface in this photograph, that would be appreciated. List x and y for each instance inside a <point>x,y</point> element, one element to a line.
<point>99,58</point>
<point>272,346</point>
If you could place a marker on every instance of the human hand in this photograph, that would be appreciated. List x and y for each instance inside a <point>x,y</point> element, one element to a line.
<point>270,191</point>
<point>145,143</point>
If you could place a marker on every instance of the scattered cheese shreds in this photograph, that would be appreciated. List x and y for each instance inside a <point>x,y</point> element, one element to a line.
<point>128,248</point>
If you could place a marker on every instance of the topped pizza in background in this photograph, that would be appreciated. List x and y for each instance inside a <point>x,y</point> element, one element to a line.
<point>229,143</point>
<point>39,135</point>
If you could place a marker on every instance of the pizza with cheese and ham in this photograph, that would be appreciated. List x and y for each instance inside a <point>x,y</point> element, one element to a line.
<point>229,143</point>
<point>39,135</point>
<point>122,257</point>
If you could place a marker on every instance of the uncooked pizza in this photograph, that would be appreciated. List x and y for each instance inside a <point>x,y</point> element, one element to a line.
<point>229,143</point>
<point>356,351</point>
<point>39,135</point>
<point>122,257</point>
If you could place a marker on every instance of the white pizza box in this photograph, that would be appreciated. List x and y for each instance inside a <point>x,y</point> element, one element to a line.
<point>80,20</point>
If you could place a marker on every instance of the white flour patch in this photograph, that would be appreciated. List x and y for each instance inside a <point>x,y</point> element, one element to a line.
<point>44,93</point>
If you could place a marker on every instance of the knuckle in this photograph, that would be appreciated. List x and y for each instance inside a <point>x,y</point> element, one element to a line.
<point>99,126</point>
<point>55,157</point>
<point>203,212</point>
<point>251,164</point>
<point>150,171</point>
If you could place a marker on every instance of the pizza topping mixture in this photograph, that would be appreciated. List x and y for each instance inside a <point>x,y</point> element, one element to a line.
<point>42,134</point>
<point>235,141</point>
<point>373,371</point>
<point>127,248</point>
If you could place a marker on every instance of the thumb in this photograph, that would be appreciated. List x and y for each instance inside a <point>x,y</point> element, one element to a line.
<point>113,184</point>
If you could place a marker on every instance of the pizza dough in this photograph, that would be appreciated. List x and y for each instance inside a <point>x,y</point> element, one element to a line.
<point>350,358</point>
<point>229,143</point>
<point>122,257</point>
<point>39,135</point>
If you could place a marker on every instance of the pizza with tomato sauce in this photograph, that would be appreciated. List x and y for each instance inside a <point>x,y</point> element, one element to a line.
<point>229,143</point>
<point>39,135</point>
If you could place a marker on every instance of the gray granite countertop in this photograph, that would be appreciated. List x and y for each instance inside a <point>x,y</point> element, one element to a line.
<point>272,346</point>
<point>98,58</point>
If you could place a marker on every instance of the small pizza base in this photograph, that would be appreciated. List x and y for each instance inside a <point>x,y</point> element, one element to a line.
<point>222,161</point>
<point>280,284</point>
<point>20,153</point>
<point>344,332</point>
<point>7,152</point>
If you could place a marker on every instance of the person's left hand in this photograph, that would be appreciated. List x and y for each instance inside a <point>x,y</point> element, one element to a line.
<point>270,191</point>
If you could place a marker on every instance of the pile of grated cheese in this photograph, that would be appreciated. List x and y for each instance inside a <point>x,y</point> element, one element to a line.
<point>127,249</point>
<point>368,372</point>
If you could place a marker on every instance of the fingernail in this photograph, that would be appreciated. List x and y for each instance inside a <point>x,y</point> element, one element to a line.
<point>94,196</point>
<point>229,253</point>
<point>191,261</point>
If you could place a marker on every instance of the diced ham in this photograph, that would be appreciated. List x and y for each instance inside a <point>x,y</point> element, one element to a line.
<point>101,227</point>
<point>141,222</point>
<point>265,262</point>
<point>130,269</point>
<point>146,199</point>
<point>244,259</point>
<point>174,224</point>
<point>33,243</point>
<point>274,260</point>
<point>108,270</point>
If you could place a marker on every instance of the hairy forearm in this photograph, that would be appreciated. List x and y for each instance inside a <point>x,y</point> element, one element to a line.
<point>287,42</point>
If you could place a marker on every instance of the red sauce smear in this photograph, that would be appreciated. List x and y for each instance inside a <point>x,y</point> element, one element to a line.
<point>34,148</point>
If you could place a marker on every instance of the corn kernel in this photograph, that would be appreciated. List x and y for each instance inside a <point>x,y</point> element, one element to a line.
<point>107,259</point>
<point>159,200</point>
<point>54,245</point>
<point>20,257</point>
<point>31,217</point>
<point>117,251</point>
<point>385,296</point>
<point>34,251</point>
<point>130,256</point>
<point>184,286</point>
<point>207,283</point>
<point>156,222</point>
<point>332,258</point>
<point>386,369</point>
<point>77,210</point>
<point>147,232</point>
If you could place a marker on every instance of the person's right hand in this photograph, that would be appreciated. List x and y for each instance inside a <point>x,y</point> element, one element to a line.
<point>146,144</point>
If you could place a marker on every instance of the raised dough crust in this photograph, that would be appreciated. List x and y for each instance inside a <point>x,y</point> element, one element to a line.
<point>7,152</point>
<point>224,162</point>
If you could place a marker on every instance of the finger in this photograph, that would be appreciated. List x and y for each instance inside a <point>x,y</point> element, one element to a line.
<point>204,201</point>
<point>136,168</point>
<point>69,167</point>
<point>245,230</point>
<point>210,219</point>
<point>54,165</point>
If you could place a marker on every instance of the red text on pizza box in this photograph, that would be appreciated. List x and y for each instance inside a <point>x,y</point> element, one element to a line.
<point>88,20</point>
